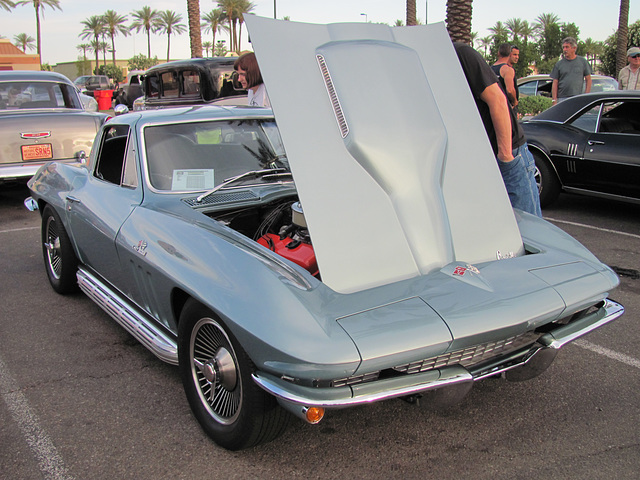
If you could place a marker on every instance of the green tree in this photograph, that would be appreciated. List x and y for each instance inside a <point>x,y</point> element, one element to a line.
<point>221,49</point>
<point>214,22</point>
<point>141,62</point>
<point>195,34</point>
<point>515,27</point>
<point>144,19</point>
<point>169,22</point>
<point>111,71</point>
<point>207,46</point>
<point>84,65</point>
<point>7,5</point>
<point>623,36</point>
<point>114,24</point>
<point>24,41</point>
<point>411,13</point>
<point>39,5</point>
<point>93,28</point>
<point>608,58</point>
<point>245,7</point>
<point>459,20</point>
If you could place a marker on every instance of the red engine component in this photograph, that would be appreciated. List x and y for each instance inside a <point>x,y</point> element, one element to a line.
<point>294,250</point>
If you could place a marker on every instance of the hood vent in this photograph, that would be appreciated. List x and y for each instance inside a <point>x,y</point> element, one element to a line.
<point>221,198</point>
<point>335,103</point>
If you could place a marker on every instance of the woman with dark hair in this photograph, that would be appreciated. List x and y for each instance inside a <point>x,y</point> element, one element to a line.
<point>251,80</point>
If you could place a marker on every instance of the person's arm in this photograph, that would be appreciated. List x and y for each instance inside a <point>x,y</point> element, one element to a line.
<point>501,119</point>
<point>509,74</point>
<point>554,90</point>
<point>587,87</point>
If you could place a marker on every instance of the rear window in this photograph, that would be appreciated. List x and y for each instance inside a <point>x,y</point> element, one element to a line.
<point>32,95</point>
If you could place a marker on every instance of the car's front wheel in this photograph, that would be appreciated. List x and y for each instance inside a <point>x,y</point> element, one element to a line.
<point>547,181</point>
<point>216,374</point>
<point>59,258</point>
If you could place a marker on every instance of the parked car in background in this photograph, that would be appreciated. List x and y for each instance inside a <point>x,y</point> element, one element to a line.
<point>42,118</point>
<point>90,83</point>
<point>130,90</point>
<point>541,84</point>
<point>191,82</point>
<point>393,266</point>
<point>588,144</point>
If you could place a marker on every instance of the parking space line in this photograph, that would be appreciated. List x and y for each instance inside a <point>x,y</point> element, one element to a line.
<point>632,235</point>
<point>50,463</point>
<point>19,229</point>
<point>620,357</point>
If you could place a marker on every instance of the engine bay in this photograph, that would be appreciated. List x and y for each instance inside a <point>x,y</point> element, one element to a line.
<point>279,226</point>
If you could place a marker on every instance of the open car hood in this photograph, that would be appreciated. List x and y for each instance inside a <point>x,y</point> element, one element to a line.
<point>392,164</point>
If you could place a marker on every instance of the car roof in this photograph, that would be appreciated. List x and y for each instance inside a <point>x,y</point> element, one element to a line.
<point>32,75</point>
<point>566,109</point>
<point>192,114</point>
<point>193,62</point>
<point>546,76</point>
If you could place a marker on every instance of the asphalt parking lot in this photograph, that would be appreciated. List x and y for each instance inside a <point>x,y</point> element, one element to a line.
<point>80,398</point>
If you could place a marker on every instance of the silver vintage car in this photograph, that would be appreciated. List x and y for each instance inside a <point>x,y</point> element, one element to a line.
<point>42,118</point>
<point>354,252</point>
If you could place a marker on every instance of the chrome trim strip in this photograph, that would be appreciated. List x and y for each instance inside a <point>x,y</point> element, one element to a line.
<point>333,96</point>
<point>386,389</point>
<point>574,330</point>
<point>151,336</point>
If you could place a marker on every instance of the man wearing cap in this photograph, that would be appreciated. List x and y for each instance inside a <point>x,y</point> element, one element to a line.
<point>628,76</point>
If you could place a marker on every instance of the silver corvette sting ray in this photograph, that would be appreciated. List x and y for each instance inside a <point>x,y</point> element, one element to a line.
<point>362,249</point>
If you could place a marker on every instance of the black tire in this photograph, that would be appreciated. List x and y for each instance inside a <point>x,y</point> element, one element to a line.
<point>548,183</point>
<point>60,260</point>
<point>216,374</point>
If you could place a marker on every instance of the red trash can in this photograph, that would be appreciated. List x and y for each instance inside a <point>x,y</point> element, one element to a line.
<point>103,97</point>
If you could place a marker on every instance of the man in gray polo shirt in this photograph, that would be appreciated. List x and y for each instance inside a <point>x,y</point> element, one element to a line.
<point>570,71</point>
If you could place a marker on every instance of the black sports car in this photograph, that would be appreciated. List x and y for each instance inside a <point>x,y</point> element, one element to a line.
<point>588,144</point>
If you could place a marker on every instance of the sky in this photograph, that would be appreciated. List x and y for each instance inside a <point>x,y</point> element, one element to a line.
<point>61,29</point>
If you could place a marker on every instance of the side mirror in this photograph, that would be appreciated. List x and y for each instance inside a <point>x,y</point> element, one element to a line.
<point>120,109</point>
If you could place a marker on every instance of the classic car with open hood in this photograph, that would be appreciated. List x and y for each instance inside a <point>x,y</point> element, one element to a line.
<point>362,249</point>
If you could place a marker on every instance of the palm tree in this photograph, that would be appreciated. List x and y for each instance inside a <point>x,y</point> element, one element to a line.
<point>7,5</point>
<point>214,22</point>
<point>114,24</point>
<point>245,6</point>
<point>24,41</point>
<point>411,13</point>
<point>144,20</point>
<point>545,20</point>
<point>514,25</point>
<point>485,42</point>
<point>459,20</point>
<point>93,27</point>
<point>499,30</point>
<point>474,37</point>
<point>527,31</point>
<point>83,47</point>
<point>623,36</point>
<point>39,5</point>
<point>169,22</point>
<point>229,8</point>
<point>207,46</point>
<point>195,35</point>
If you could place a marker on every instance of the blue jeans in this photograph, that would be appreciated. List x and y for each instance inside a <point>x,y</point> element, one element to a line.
<point>519,179</point>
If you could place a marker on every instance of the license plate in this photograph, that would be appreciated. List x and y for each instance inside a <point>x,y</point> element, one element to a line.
<point>36,152</point>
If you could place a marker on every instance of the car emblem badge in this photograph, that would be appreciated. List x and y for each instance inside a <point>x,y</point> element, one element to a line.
<point>502,256</point>
<point>141,248</point>
<point>34,135</point>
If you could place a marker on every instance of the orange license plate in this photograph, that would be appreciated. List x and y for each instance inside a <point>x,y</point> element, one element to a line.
<point>36,152</point>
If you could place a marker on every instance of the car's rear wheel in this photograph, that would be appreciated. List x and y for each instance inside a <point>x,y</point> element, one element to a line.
<point>547,180</point>
<point>59,258</point>
<point>216,373</point>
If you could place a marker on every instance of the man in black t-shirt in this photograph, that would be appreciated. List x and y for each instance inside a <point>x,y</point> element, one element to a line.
<point>507,139</point>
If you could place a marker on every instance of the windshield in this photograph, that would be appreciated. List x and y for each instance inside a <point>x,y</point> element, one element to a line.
<point>25,95</point>
<point>201,156</point>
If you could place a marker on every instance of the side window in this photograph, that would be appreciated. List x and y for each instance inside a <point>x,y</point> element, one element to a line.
<point>528,88</point>
<point>153,86</point>
<point>112,154</point>
<point>588,120</point>
<point>130,174</point>
<point>169,85</point>
<point>620,117</point>
<point>190,84</point>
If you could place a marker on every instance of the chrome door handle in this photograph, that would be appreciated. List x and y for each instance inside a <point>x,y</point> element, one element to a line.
<point>595,142</point>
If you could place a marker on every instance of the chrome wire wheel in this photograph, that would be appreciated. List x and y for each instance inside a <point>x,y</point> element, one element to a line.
<point>52,247</point>
<point>215,372</point>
